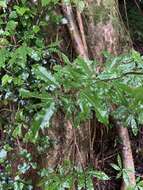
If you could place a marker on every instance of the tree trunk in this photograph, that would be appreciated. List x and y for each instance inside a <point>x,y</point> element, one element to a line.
<point>106,32</point>
<point>126,154</point>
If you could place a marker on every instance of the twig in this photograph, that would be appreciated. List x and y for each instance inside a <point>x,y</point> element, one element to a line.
<point>78,45</point>
<point>81,29</point>
<point>128,161</point>
<point>138,6</point>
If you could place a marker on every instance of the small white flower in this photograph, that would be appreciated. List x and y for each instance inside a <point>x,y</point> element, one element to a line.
<point>47,18</point>
<point>3,154</point>
<point>64,21</point>
<point>1,31</point>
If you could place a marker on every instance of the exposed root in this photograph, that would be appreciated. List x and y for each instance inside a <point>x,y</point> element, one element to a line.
<point>127,156</point>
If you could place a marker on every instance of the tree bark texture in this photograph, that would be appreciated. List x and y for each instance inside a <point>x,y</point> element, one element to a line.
<point>106,32</point>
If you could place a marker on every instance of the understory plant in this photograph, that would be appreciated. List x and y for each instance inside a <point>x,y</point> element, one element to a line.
<point>38,80</point>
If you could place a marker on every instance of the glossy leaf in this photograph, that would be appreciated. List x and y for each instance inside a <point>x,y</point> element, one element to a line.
<point>132,123</point>
<point>99,175</point>
<point>3,3</point>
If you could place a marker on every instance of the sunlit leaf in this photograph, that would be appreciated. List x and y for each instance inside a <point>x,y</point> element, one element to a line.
<point>42,119</point>
<point>133,124</point>
<point>45,2</point>
<point>3,3</point>
<point>43,74</point>
<point>100,109</point>
<point>3,154</point>
<point>119,161</point>
<point>27,94</point>
<point>99,175</point>
<point>126,177</point>
<point>6,79</point>
<point>116,167</point>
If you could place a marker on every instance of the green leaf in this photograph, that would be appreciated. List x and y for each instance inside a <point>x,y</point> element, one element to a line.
<point>140,183</point>
<point>137,93</point>
<point>48,114</point>
<point>6,79</point>
<point>19,56</point>
<point>133,188</point>
<point>100,109</point>
<point>11,26</point>
<point>81,5</point>
<point>36,29</point>
<point>99,175</point>
<point>17,131</point>
<point>41,120</point>
<point>119,161</point>
<point>84,65</point>
<point>116,167</point>
<point>132,123</point>
<point>3,3</point>
<point>136,55</point>
<point>23,168</point>
<point>43,74</point>
<point>126,177</point>
<point>119,175</point>
<point>21,10</point>
<point>18,186</point>
<point>140,117</point>
<point>4,42</point>
<point>3,56</point>
<point>27,94</point>
<point>46,2</point>
<point>35,55</point>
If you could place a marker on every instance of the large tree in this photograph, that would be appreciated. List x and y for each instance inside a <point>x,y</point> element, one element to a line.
<point>52,109</point>
<point>102,29</point>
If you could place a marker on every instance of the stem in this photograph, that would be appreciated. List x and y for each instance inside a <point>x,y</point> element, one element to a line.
<point>127,156</point>
<point>78,44</point>
<point>81,28</point>
<point>81,50</point>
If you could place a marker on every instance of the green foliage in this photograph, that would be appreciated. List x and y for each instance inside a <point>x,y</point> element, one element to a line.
<point>65,176</point>
<point>24,56</point>
<point>35,85</point>
<point>3,3</point>
<point>122,172</point>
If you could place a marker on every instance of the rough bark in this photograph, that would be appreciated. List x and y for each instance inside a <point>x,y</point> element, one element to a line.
<point>107,32</point>
<point>126,154</point>
<point>105,28</point>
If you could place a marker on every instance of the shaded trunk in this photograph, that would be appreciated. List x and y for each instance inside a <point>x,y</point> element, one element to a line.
<point>106,32</point>
<point>126,154</point>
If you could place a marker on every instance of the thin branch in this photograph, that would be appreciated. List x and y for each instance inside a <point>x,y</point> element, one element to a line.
<point>78,45</point>
<point>138,6</point>
<point>127,156</point>
<point>81,28</point>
